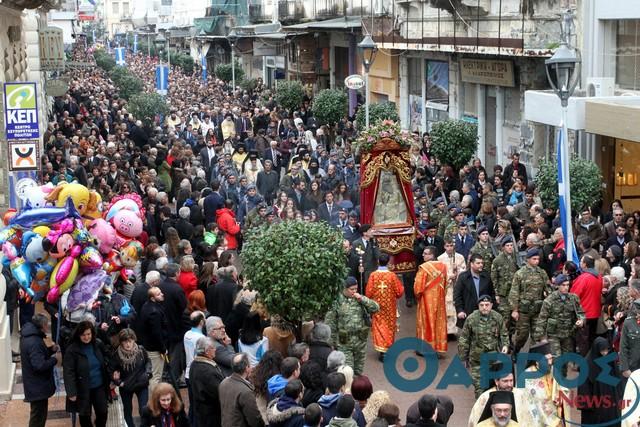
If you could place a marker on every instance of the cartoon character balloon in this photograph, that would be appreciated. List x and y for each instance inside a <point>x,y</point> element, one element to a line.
<point>104,233</point>
<point>82,198</point>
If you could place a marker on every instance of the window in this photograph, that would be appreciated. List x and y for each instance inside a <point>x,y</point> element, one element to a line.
<point>627,54</point>
<point>125,8</point>
<point>115,8</point>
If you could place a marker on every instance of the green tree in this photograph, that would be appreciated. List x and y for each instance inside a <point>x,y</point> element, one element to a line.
<point>249,84</point>
<point>223,72</point>
<point>329,106</point>
<point>454,142</point>
<point>290,94</point>
<point>297,267</point>
<point>104,60</point>
<point>585,183</point>
<point>129,86</point>
<point>118,74</point>
<point>377,112</point>
<point>145,106</point>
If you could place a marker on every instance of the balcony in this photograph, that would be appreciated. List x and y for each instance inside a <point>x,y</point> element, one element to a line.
<point>260,12</point>
<point>327,9</point>
<point>290,10</point>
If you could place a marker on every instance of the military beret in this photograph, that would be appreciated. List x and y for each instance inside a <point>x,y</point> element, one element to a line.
<point>451,206</point>
<point>439,200</point>
<point>560,279</point>
<point>485,298</point>
<point>533,252</point>
<point>482,229</point>
<point>457,212</point>
<point>342,209</point>
<point>351,281</point>
<point>507,240</point>
<point>349,160</point>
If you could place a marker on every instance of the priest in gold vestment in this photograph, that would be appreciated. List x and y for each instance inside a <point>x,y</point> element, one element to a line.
<point>430,289</point>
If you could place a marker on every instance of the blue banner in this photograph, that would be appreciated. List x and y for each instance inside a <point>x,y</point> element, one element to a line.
<point>162,79</point>
<point>120,56</point>
<point>93,33</point>
<point>135,43</point>
<point>564,198</point>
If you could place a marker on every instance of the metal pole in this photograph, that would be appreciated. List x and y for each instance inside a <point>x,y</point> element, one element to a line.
<point>233,68</point>
<point>169,55</point>
<point>366,95</point>
<point>149,45</point>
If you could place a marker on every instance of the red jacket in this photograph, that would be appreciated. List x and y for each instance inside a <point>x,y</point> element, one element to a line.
<point>226,220</point>
<point>588,287</point>
<point>188,282</point>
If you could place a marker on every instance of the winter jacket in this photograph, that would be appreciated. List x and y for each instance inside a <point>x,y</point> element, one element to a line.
<point>238,403</point>
<point>342,422</point>
<point>37,364</point>
<point>220,298</point>
<point>204,379</point>
<point>188,282</point>
<point>77,373</point>
<point>174,305</point>
<point>153,327</point>
<point>319,351</point>
<point>593,229</point>
<point>329,403</point>
<point>137,377</point>
<point>148,420</point>
<point>226,220</point>
<point>285,412</point>
<point>276,385</point>
<point>588,287</point>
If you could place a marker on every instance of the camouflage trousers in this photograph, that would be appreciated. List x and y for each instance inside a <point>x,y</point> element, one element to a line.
<point>355,352</point>
<point>505,311</point>
<point>475,376</point>
<point>524,327</point>
<point>559,346</point>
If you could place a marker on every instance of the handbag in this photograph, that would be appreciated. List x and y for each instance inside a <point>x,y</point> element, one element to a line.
<point>115,413</point>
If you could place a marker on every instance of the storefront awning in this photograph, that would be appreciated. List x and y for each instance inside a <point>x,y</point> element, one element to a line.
<point>618,118</point>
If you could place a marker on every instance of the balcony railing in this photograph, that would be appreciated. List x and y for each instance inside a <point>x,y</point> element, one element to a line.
<point>260,12</point>
<point>326,9</point>
<point>290,10</point>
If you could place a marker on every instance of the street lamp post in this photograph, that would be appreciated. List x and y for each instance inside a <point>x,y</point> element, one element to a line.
<point>369,49</point>
<point>563,71</point>
<point>232,37</point>
<point>160,43</point>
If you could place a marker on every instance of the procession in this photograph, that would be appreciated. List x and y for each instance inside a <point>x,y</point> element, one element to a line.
<point>228,251</point>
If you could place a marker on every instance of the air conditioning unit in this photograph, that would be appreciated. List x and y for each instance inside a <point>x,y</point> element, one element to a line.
<point>600,86</point>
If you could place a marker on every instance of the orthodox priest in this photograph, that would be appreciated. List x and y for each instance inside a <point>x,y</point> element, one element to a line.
<point>499,410</point>
<point>384,287</point>
<point>430,289</point>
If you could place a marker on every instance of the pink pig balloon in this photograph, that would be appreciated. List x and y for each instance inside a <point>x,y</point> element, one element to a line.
<point>127,224</point>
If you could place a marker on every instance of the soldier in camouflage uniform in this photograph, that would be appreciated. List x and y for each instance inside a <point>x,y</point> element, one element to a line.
<point>483,332</point>
<point>438,212</point>
<point>483,248</point>
<point>561,313</point>
<point>447,218</point>
<point>529,289</point>
<point>502,271</point>
<point>452,227</point>
<point>349,331</point>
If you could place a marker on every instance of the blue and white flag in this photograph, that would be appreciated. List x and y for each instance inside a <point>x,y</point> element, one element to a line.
<point>93,34</point>
<point>564,199</point>
<point>204,67</point>
<point>162,79</point>
<point>135,43</point>
<point>120,52</point>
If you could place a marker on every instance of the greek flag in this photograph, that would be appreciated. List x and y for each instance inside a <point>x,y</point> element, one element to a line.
<point>120,52</point>
<point>93,34</point>
<point>204,67</point>
<point>162,79</point>
<point>135,43</point>
<point>564,199</point>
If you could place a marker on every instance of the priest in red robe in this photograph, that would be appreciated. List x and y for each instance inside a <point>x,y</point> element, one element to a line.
<point>430,291</point>
<point>385,288</point>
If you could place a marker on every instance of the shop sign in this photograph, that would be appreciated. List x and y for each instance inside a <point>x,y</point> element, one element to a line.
<point>21,111</point>
<point>492,72</point>
<point>56,87</point>
<point>51,49</point>
<point>354,81</point>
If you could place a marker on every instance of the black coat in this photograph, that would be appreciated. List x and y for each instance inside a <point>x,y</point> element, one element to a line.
<point>184,229</point>
<point>37,365</point>
<point>137,377</point>
<point>153,327</point>
<point>318,352</point>
<point>464,293</point>
<point>148,420</point>
<point>220,298</point>
<point>138,298</point>
<point>76,374</point>
<point>175,302</point>
<point>205,378</point>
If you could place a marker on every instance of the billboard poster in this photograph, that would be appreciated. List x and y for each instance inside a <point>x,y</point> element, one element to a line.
<point>415,112</point>
<point>21,111</point>
<point>437,84</point>
<point>23,155</point>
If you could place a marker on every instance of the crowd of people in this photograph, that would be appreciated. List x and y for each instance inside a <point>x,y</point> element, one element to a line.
<point>493,273</point>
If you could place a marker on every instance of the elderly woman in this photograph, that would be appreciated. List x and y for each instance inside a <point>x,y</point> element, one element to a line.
<point>337,362</point>
<point>164,409</point>
<point>320,344</point>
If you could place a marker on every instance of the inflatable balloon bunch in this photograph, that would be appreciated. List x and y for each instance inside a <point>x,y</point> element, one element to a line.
<point>60,243</point>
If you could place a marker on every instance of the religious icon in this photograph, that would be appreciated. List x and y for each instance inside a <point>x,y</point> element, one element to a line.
<point>390,207</point>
